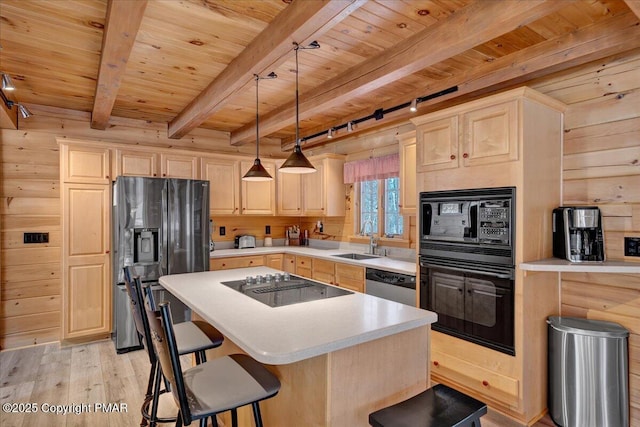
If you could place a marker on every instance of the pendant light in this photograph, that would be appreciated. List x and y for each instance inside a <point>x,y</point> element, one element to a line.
<point>257,171</point>
<point>297,162</point>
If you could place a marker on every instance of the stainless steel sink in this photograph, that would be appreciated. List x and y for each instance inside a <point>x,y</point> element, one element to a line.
<point>356,256</point>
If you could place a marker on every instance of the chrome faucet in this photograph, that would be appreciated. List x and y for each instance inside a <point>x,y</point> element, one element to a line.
<point>373,244</point>
<point>372,240</point>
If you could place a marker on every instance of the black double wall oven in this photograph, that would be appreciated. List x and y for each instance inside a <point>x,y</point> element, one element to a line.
<point>467,264</point>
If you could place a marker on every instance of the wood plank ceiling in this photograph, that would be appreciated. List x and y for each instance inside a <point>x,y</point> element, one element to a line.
<point>190,63</point>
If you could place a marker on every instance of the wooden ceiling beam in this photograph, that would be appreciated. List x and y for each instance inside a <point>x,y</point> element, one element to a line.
<point>301,22</point>
<point>615,35</point>
<point>634,5</point>
<point>477,23</point>
<point>123,22</point>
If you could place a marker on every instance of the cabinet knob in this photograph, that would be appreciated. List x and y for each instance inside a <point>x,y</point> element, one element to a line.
<point>485,383</point>
<point>223,264</point>
<point>107,252</point>
<point>250,262</point>
<point>465,155</point>
<point>453,157</point>
<point>436,363</point>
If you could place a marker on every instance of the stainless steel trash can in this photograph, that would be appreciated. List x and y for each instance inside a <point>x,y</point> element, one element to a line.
<point>588,373</point>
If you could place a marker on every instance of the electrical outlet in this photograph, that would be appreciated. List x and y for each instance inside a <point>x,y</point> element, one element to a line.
<point>223,230</point>
<point>267,229</point>
<point>36,238</point>
<point>632,246</point>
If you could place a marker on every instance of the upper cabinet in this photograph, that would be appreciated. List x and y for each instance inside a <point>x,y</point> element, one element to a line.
<point>258,197</point>
<point>468,136</point>
<point>408,189</point>
<point>85,164</point>
<point>180,166</point>
<point>224,185</point>
<point>314,194</point>
<point>136,163</point>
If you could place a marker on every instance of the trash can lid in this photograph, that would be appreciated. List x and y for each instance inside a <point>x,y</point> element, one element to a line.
<point>595,328</point>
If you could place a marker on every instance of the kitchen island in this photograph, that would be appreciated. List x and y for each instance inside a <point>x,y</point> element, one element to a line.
<point>338,359</point>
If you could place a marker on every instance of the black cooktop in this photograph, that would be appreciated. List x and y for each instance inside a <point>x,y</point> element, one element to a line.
<point>293,291</point>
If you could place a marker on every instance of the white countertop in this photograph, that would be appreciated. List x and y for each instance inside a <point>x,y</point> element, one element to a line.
<point>282,335</point>
<point>561,265</point>
<point>380,262</point>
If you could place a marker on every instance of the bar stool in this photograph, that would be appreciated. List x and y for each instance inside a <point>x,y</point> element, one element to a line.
<point>192,337</point>
<point>438,406</point>
<point>223,384</point>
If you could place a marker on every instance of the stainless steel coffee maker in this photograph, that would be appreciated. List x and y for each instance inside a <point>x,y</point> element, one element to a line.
<point>577,233</point>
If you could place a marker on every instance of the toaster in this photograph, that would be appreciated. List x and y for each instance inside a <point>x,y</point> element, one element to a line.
<point>245,241</point>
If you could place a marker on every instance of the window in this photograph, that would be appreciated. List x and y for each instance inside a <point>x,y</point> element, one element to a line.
<point>379,208</point>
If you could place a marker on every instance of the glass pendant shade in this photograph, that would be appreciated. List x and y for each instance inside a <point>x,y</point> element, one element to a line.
<point>297,163</point>
<point>257,173</point>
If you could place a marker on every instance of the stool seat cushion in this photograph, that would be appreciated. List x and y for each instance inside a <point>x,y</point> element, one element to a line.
<point>227,382</point>
<point>196,336</point>
<point>438,406</point>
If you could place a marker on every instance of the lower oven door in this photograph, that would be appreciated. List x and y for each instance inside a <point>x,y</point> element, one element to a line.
<point>472,303</point>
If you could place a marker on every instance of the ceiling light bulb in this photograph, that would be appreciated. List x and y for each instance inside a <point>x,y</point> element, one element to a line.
<point>414,105</point>
<point>7,84</point>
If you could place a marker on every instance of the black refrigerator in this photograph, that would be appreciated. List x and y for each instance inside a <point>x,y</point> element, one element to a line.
<point>160,226</point>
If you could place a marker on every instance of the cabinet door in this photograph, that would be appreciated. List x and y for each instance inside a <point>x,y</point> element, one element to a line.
<point>289,263</point>
<point>314,191</point>
<point>350,277</point>
<point>408,177</point>
<point>86,274</point>
<point>179,166</point>
<point>236,262</point>
<point>289,194</point>
<point>90,165</point>
<point>437,145</point>
<point>136,163</point>
<point>303,266</point>
<point>491,134</point>
<point>323,271</point>
<point>224,185</point>
<point>274,261</point>
<point>258,197</point>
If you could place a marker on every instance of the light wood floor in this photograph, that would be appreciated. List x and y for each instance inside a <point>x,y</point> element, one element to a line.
<point>48,375</point>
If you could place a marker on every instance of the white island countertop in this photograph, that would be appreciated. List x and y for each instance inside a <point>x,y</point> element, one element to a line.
<point>282,335</point>
<point>379,262</point>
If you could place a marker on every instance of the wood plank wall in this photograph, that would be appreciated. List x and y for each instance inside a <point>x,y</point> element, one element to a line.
<point>601,166</point>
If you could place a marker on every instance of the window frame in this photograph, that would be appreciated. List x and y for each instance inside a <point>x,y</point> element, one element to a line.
<point>404,237</point>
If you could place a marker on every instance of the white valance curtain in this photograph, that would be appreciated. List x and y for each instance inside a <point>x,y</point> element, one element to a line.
<point>371,169</point>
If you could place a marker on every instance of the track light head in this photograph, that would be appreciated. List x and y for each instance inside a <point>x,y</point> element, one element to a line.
<point>313,45</point>
<point>24,111</point>
<point>7,83</point>
<point>330,133</point>
<point>414,105</point>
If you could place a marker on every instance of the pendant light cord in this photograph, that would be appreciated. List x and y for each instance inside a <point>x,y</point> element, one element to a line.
<point>257,120</point>
<point>297,103</point>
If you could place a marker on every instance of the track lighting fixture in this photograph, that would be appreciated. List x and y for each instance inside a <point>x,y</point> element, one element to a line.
<point>350,127</point>
<point>297,162</point>
<point>414,105</point>
<point>7,83</point>
<point>330,133</point>
<point>24,111</point>
<point>257,172</point>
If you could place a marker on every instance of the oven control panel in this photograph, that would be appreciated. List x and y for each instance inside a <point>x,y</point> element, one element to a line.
<point>494,217</point>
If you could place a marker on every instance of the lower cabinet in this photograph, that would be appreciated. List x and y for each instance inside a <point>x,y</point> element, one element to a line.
<point>303,266</point>
<point>274,261</point>
<point>289,263</point>
<point>323,271</point>
<point>236,262</point>
<point>350,276</point>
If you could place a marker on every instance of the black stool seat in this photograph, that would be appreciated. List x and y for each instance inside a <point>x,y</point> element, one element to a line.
<point>438,406</point>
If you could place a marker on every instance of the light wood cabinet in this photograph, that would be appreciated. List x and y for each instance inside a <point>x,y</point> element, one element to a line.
<point>136,163</point>
<point>323,191</point>
<point>224,185</point>
<point>323,271</point>
<point>236,262</point>
<point>350,276</point>
<point>258,197</point>
<point>289,263</point>
<point>85,164</point>
<point>303,266</point>
<point>408,189</point>
<point>468,136</point>
<point>179,166</point>
<point>314,194</point>
<point>86,284</point>
<point>274,261</point>
<point>510,139</point>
